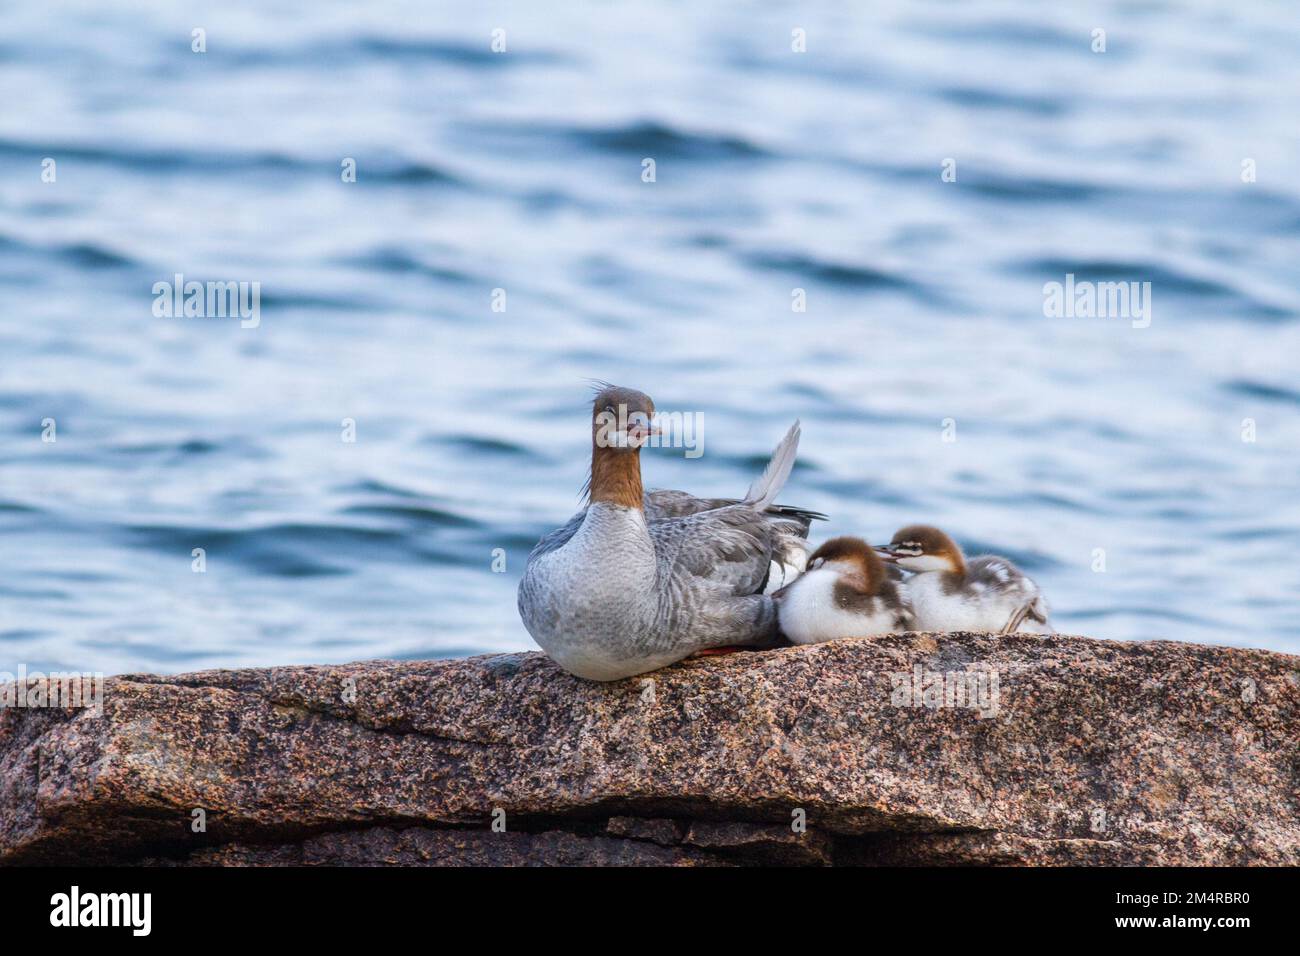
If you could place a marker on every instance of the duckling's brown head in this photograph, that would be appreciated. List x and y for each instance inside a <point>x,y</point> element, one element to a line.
<point>853,560</point>
<point>921,547</point>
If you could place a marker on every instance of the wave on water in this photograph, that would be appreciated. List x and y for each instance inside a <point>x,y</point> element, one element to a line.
<point>799,252</point>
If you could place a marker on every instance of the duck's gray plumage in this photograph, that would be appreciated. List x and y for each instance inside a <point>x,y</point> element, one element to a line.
<point>662,504</point>
<point>621,590</point>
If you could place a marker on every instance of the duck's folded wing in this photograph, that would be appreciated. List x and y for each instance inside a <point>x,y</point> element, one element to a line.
<point>663,503</point>
<point>729,549</point>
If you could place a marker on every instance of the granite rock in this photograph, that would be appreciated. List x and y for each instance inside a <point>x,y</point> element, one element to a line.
<point>906,749</point>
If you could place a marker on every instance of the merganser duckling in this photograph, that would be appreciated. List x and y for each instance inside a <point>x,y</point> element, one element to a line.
<point>847,591</point>
<point>636,581</point>
<point>950,593</point>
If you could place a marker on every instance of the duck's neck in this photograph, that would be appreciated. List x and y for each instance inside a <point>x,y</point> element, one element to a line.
<point>616,476</point>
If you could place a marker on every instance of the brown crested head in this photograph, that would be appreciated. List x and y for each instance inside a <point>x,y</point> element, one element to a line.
<point>621,423</point>
<point>621,418</point>
<point>855,561</point>
<point>922,547</point>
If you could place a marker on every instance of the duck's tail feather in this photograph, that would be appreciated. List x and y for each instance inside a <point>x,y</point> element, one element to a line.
<point>768,485</point>
<point>793,511</point>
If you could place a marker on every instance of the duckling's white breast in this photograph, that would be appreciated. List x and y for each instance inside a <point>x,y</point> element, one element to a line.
<point>809,614</point>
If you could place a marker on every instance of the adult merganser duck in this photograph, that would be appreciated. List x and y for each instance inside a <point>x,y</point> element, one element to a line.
<point>950,593</point>
<point>847,591</point>
<point>637,580</point>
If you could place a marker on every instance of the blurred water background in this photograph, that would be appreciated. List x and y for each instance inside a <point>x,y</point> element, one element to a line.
<point>522,171</point>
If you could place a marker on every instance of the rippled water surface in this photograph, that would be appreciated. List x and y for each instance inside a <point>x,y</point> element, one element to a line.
<point>522,171</point>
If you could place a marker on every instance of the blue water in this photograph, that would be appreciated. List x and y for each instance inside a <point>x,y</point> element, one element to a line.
<point>522,171</point>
